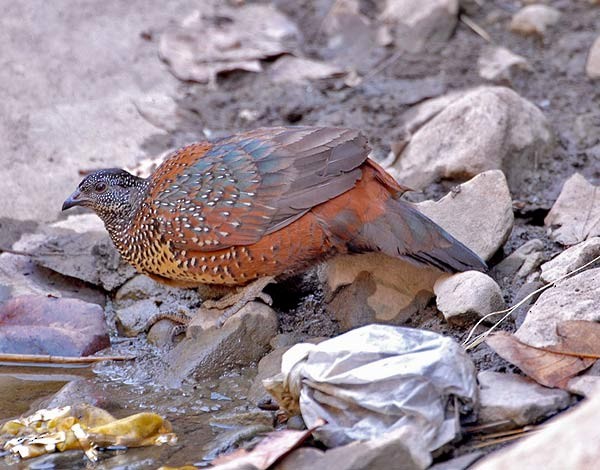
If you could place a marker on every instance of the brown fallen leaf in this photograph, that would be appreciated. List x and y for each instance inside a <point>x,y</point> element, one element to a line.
<point>268,451</point>
<point>578,338</point>
<point>548,368</point>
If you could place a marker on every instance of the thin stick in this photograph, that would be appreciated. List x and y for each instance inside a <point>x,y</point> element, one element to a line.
<point>503,439</point>
<point>475,27</point>
<point>42,358</point>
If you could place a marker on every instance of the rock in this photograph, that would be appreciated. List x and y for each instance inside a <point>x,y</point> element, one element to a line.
<point>586,129</point>
<point>374,288</point>
<point>464,298</point>
<point>79,247</point>
<point>204,46</point>
<point>82,391</point>
<point>19,276</point>
<point>511,397</point>
<point>134,319</point>
<point>141,287</point>
<point>460,135</point>
<point>592,66</point>
<point>351,40</point>
<point>420,24</point>
<point>498,64</point>
<point>209,352</point>
<point>459,463</point>
<point>525,290</point>
<point>575,216</point>
<point>571,259</point>
<point>297,69</point>
<point>575,298</point>
<point>521,262</point>
<point>478,213</point>
<point>571,440</point>
<point>534,20</point>
<point>397,447</point>
<point>584,385</point>
<point>47,325</point>
<point>268,366</point>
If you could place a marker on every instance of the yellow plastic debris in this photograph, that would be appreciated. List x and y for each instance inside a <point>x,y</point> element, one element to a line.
<point>84,427</point>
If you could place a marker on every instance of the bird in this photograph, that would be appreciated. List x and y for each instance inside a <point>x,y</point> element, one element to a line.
<point>233,215</point>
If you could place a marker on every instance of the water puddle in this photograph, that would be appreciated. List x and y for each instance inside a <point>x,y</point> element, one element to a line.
<point>208,417</point>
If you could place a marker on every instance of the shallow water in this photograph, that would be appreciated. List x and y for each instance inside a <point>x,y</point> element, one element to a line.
<point>208,417</point>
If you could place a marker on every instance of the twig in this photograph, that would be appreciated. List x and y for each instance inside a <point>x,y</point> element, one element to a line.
<point>503,439</point>
<point>42,358</point>
<point>475,27</point>
<point>480,338</point>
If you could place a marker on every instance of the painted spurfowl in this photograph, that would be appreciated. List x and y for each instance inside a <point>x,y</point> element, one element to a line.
<point>238,213</point>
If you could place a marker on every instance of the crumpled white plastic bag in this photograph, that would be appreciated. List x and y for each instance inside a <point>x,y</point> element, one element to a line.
<point>378,379</point>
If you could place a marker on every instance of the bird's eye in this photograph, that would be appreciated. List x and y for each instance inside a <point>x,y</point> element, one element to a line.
<point>100,187</point>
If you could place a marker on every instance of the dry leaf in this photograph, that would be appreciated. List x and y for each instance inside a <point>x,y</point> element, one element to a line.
<point>274,446</point>
<point>578,338</point>
<point>237,39</point>
<point>545,367</point>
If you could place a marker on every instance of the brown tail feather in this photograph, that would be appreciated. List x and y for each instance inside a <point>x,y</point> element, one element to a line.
<point>402,231</point>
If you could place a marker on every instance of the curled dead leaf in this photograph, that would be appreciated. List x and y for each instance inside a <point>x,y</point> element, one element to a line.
<point>552,369</point>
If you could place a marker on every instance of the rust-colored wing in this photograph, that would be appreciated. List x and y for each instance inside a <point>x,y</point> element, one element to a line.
<point>232,192</point>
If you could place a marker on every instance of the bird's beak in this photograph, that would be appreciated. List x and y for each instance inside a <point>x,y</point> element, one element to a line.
<point>73,200</point>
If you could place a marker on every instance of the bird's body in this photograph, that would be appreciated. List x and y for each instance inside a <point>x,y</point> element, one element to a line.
<point>268,202</point>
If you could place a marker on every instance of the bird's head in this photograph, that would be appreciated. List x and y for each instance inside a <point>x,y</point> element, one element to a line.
<point>113,194</point>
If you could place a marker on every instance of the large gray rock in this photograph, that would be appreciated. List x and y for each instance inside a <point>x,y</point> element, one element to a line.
<point>464,298</point>
<point>575,298</point>
<point>463,134</point>
<point>479,213</point>
<point>420,24</point>
<point>396,450</point>
<point>534,20</point>
<point>511,397</point>
<point>209,351</point>
<point>592,67</point>
<point>575,216</point>
<point>571,259</point>
<point>571,440</point>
